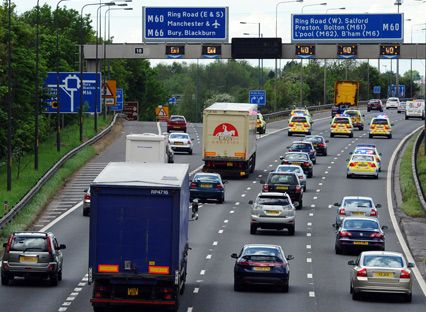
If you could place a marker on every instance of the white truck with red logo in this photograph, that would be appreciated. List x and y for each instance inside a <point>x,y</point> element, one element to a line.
<point>229,138</point>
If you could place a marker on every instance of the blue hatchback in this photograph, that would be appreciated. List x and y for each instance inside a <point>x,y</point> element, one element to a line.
<point>305,147</point>
<point>206,186</point>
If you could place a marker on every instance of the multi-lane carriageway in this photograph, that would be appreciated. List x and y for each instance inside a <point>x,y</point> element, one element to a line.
<point>319,279</point>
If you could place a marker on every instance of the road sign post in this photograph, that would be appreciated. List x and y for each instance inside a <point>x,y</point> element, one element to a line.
<point>257,97</point>
<point>184,24</point>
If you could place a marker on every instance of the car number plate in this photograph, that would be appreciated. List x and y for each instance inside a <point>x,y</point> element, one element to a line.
<point>358,213</point>
<point>178,143</point>
<point>27,259</point>
<point>360,243</point>
<point>383,274</point>
<point>272,212</point>
<point>262,269</point>
<point>206,185</point>
<point>282,187</point>
<point>134,291</point>
<point>229,164</point>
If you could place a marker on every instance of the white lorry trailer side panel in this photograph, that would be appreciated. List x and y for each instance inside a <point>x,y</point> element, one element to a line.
<point>146,147</point>
<point>415,108</point>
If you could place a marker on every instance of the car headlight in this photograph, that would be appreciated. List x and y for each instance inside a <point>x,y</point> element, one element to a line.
<point>257,207</point>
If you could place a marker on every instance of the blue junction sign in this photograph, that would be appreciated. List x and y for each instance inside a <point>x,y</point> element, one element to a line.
<point>376,89</point>
<point>183,24</point>
<point>257,97</point>
<point>70,86</point>
<point>347,28</point>
<point>392,90</point>
<point>118,101</point>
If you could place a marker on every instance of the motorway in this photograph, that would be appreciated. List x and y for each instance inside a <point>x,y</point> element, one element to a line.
<point>319,279</point>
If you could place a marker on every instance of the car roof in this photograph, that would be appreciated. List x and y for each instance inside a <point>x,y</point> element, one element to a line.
<point>361,154</point>
<point>361,218</point>
<point>301,142</point>
<point>382,253</point>
<point>35,234</point>
<point>357,197</point>
<point>282,173</point>
<point>262,246</point>
<point>290,153</point>
<point>289,166</point>
<point>208,174</point>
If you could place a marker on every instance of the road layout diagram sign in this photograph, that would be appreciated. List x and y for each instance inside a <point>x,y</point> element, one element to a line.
<point>257,97</point>
<point>347,28</point>
<point>376,89</point>
<point>118,101</point>
<point>183,24</point>
<point>70,86</point>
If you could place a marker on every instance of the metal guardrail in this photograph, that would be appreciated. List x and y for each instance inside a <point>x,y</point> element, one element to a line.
<point>419,188</point>
<point>15,210</point>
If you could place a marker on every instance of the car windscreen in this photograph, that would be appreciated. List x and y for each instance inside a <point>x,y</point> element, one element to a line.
<point>177,119</point>
<point>298,119</point>
<point>352,113</point>
<point>261,254</point>
<point>357,203</point>
<point>25,243</point>
<point>362,158</point>
<point>289,169</point>
<point>282,179</point>
<point>296,157</point>
<point>383,261</point>
<point>373,101</point>
<point>301,146</point>
<point>206,179</point>
<point>179,136</point>
<point>380,122</point>
<point>360,225</point>
<point>341,120</point>
<point>313,139</point>
<point>273,201</point>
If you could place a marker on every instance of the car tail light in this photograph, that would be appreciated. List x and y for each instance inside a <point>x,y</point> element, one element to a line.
<point>372,165</point>
<point>372,127</point>
<point>345,234</point>
<point>373,213</point>
<point>342,212</point>
<point>9,243</point>
<point>189,142</point>
<point>298,189</point>
<point>377,235</point>
<point>361,273</point>
<point>305,125</point>
<point>291,124</point>
<point>306,164</point>
<point>348,126</point>
<point>333,126</point>
<point>352,164</point>
<point>321,145</point>
<point>100,290</point>
<point>193,185</point>
<point>49,245</point>
<point>87,198</point>
<point>265,187</point>
<point>386,127</point>
<point>404,274</point>
<point>243,263</point>
<point>219,187</point>
<point>285,161</point>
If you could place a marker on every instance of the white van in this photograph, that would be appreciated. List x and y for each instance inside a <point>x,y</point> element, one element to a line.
<point>415,108</point>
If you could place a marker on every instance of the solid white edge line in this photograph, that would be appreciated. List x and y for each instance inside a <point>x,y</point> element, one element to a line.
<point>71,210</point>
<point>395,224</point>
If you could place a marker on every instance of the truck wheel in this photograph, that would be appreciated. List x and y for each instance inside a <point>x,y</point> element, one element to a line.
<point>253,229</point>
<point>390,136</point>
<point>370,136</point>
<point>351,135</point>
<point>331,135</point>
<point>291,230</point>
<point>253,163</point>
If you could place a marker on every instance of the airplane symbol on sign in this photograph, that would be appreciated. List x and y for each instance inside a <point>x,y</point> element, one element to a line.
<point>216,24</point>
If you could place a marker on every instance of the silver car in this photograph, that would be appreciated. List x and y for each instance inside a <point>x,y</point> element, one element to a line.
<point>272,210</point>
<point>297,170</point>
<point>401,107</point>
<point>381,272</point>
<point>180,142</point>
<point>356,206</point>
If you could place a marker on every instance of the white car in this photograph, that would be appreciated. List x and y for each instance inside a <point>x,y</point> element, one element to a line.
<point>401,107</point>
<point>392,102</point>
<point>415,109</point>
<point>355,206</point>
<point>297,170</point>
<point>180,142</point>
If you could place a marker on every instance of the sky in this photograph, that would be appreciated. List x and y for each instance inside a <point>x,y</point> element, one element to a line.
<point>126,26</point>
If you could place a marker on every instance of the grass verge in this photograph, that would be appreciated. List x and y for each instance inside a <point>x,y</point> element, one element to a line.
<point>410,204</point>
<point>421,166</point>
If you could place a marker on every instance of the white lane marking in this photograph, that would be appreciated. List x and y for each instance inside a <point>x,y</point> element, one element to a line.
<point>342,151</point>
<point>329,167</point>
<point>309,275</point>
<point>315,197</point>
<point>196,290</point>
<point>329,206</point>
<point>232,211</point>
<point>320,184</point>
<point>70,299</point>
<point>62,309</point>
<point>276,160</point>
<point>312,294</point>
<point>323,178</point>
<point>308,234</point>
<point>189,309</point>
<point>78,289</point>
<point>313,206</point>
<point>265,170</point>
<point>248,188</point>
<point>203,272</point>
<point>254,182</point>
<point>309,260</point>
<point>73,294</point>
<point>259,176</point>
<point>66,304</point>
<point>158,128</point>
<point>72,209</point>
<point>389,192</point>
<point>335,157</point>
<point>243,195</point>
<point>215,243</point>
<point>208,257</point>
<point>81,284</point>
<point>311,214</point>
<point>237,203</point>
<point>225,221</point>
<point>326,172</point>
<point>308,246</point>
<point>271,165</point>
<point>196,169</point>
<point>338,155</point>
<point>309,224</point>
<point>318,191</point>
<point>332,162</point>
<point>220,231</point>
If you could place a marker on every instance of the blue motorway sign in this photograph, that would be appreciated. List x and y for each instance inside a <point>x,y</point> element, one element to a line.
<point>172,100</point>
<point>70,86</point>
<point>376,89</point>
<point>183,24</point>
<point>353,28</point>
<point>392,90</point>
<point>257,97</point>
<point>118,101</point>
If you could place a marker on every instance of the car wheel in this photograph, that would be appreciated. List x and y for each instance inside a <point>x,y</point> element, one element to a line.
<point>348,176</point>
<point>60,275</point>
<point>351,289</point>
<point>290,134</point>
<point>309,133</point>
<point>253,229</point>
<point>408,297</point>
<point>237,286</point>
<point>54,278</point>
<point>314,161</point>
<point>331,135</point>
<point>381,110</point>
<point>190,152</point>
<point>361,128</point>
<point>310,174</point>
<point>399,112</point>
<point>376,176</point>
<point>325,153</point>
<point>284,288</point>
<point>338,250</point>
<point>368,110</point>
<point>370,136</point>
<point>222,199</point>
<point>291,231</point>
<point>85,212</point>
<point>5,279</point>
<point>355,295</point>
<point>390,136</point>
<point>300,205</point>
<point>351,135</point>
<point>304,188</point>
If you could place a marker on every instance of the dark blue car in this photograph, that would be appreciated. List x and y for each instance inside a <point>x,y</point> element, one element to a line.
<point>261,265</point>
<point>305,147</point>
<point>206,186</point>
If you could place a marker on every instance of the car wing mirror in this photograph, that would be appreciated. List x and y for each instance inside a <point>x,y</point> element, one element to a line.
<point>234,255</point>
<point>281,157</point>
<point>326,141</point>
<point>289,257</point>
<point>384,228</point>
<point>85,190</point>
<point>336,204</point>
<point>378,206</point>
<point>334,225</point>
<point>411,265</point>
<point>288,146</point>
<point>380,154</point>
<point>347,159</point>
<point>350,153</point>
<point>62,246</point>
<point>351,262</point>
<point>4,245</point>
<point>250,202</point>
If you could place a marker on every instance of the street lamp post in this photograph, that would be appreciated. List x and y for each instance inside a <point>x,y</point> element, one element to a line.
<point>398,3</point>
<point>313,4</point>
<point>37,96</point>
<point>260,73</point>
<point>334,9</point>
<point>9,98</point>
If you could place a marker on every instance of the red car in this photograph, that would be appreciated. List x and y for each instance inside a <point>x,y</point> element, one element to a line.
<point>375,104</point>
<point>176,122</point>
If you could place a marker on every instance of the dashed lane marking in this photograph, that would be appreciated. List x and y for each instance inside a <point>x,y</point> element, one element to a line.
<point>309,260</point>
<point>315,197</point>
<point>243,195</point>
<point>312,294</point>
<point>196,290</point>
<point>225,221</point>
<point>203,272</point>
<point>313,206</point>
<point>308,234</point>
<point>318,191</point>
<point>329,206</point>
<point>220,231</point>
<point>237,203</point>
<point>189,309</point>
<point>308,246</point>
<point>311,214</point>
<point>309,275</point>
<point>232,211</point>
<point>215,243</point>
<point>208,257</point>
<point>309,224</point>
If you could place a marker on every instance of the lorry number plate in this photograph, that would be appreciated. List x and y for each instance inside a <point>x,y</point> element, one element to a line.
<point>159,192</point>
<point>132,291</point>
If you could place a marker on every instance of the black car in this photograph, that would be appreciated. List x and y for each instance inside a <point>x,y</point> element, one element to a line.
<point>285,182</point>
<point>306,147</point>
<point>261,265</point>
<point>206,186</point>
<point>301,159</point>
<point>319,143</point>
<point>359,234</point>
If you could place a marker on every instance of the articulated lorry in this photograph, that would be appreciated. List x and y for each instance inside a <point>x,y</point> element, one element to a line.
<point>138,246</point>
<point>229,139</point>
<point>345,96</point>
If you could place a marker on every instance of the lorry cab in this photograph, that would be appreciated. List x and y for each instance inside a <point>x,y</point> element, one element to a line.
<point>415,108</point>
<point>341,125</point>
<point>299,123</point>
<point>356,117</point>
<point>380,126</point>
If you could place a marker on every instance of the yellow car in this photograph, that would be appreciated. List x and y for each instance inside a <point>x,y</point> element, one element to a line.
<point>341,125</point>
<point>380,126</point>
<point>299,123</point>
<point>260,124</point>
<point>298,111</point>
<point>369,149</point>
<point>362,165</point>
<point>357,118</point>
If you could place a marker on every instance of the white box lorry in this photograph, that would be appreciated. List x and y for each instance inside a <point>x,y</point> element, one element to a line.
<point>415,108</point>
<point>229,138</point>
<point>148,147</point>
